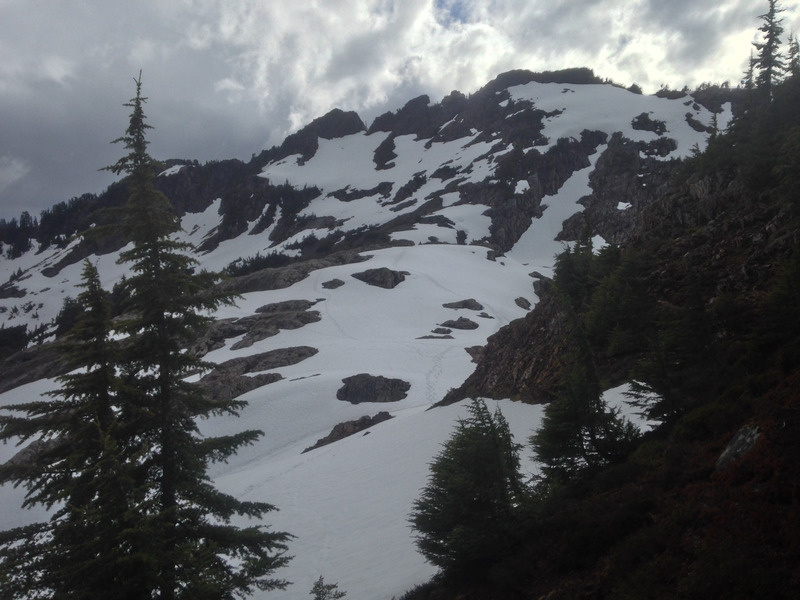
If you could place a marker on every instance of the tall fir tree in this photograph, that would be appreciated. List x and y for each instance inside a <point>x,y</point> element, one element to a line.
<point>79,464</point>
<point>466,516</point>
<point>769,63</point>
<point>793,68</point>
<point>184,524</point>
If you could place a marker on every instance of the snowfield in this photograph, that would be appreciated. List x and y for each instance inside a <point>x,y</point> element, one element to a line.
<point>347,503</point>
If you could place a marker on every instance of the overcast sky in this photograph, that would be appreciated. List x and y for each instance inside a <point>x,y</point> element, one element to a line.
<point>228,78</point>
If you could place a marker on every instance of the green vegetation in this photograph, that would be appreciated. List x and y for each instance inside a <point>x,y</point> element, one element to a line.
<point>467,514</point>
<point>701,311</point>
<point>117,454</point>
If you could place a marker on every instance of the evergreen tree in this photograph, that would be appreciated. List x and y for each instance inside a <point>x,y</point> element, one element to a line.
<point>769,62</point>
<point>326,591</point>
<point>183,525</point>
<point>749,80</point>
<point>578,430</point>
<point>793,68</point>
<point>466,516</point>
<point>79,464</point>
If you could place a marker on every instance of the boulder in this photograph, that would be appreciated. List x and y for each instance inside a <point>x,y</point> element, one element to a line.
<point>469,304</point>
<point>372,388</point>
<point>460,323</point>
<point>382,277</point>
<point>348,428</point>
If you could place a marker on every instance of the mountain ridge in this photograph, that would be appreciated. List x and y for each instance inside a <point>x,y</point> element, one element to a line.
<point>463,212</point>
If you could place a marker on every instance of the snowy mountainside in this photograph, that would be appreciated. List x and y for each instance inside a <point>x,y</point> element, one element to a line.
<point>465,208</point>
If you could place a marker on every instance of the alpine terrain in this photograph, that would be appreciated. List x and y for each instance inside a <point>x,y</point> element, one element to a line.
<point>384,274</point>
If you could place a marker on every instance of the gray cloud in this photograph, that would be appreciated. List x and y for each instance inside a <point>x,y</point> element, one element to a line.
<point>228,79</point>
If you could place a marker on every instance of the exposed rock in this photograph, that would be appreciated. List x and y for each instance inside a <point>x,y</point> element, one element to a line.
<point>348,195</point>
<point>269,320</point>
<point>229,380</point>
<point>283,277</point>
<point>29,453</point>
<point>30,365</point>
<point>460,323</point>
<point>523,359</point>
<point>523,303</point>
<point>476,352</point>
<point>622,172</point>
<point>222,385</point>
<point>740,445</point>
<point>348,428</point>
<point>372,388</point>
<point>382,277</point>
<point>644,122</point>
<point>335,124</point>
<point>332,284</point>
<point>442,331</point>
<point>9,290</point>
<point>469,304</point>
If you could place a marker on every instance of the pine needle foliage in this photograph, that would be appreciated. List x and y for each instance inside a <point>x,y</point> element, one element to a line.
<point>117,453</point>
<point>465,518</point>
<point>184,523</point>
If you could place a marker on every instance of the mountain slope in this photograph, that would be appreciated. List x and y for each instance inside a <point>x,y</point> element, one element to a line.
<point>407,244</point>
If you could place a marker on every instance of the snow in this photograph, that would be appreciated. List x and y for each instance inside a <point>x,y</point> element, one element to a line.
<point>610,109</point>
<point>347,503</point>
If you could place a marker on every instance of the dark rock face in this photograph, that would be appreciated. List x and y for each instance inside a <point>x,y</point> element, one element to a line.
<point>469,304</point>
<point>228,379</point>
<point>30,365</point>
<point>382,277</point>
<point>522,360</point>
<point>332,284</point>
<point>740,445</point>
<point>621,173</point>
<point>348,428</point>
<point>335,124</point>
<point>283,277</point>
<point>269,320</point>
<point>461,323</point>
<point>372,388</point>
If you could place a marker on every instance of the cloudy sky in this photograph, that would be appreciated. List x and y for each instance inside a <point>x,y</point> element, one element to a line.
<point>228,78</point>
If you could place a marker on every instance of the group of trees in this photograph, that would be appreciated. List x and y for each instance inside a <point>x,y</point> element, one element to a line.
<point>769,65</point>
<point>476,506</point>
<point>116,454</point>
<point>620,319</point>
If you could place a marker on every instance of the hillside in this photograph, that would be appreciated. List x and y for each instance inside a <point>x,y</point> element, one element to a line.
<point>374,264</point>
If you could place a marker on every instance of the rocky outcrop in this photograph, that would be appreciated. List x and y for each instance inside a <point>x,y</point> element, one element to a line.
<point>282,277</point>
<point>624,173</point>
<point>460,323</point>
<point>522,360</point>
<point>469,304</point>
<point>332,284</point>
<point>348,428</point>
<point>382,277</point>
<point>267,322</point>
<point>228,379</point>
<point>740,445</point>
<point>30,365</point>
<point>272,318</point>
<point>372,388</point>
<point>335,124</point>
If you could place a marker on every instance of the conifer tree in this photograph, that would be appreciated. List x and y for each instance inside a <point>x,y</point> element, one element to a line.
<point>183,525</point>
<point>578,431</point>
<point>466,515</point>
<point>793,68</point>
<point>769,62</point>
<point>79,463</point>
